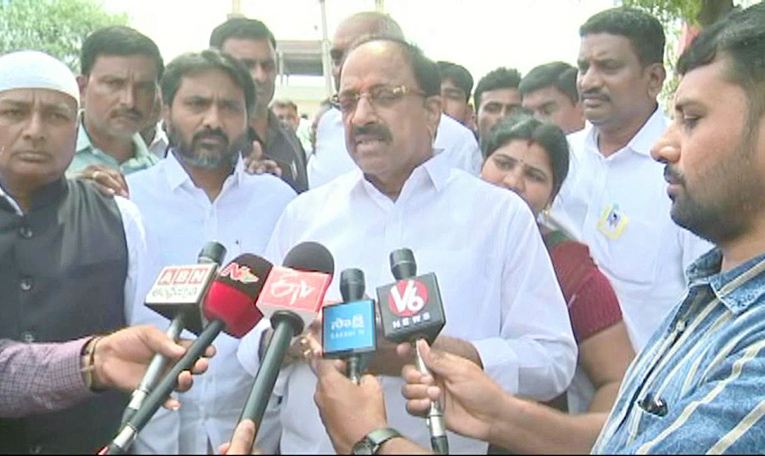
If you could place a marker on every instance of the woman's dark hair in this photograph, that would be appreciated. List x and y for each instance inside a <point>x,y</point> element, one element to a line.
<point>523,127</point>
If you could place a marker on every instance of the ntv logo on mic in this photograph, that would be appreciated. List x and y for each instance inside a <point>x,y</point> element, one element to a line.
<point>407,300</point>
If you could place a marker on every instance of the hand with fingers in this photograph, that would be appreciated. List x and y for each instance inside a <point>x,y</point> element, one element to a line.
<point>257,162</point>
<point>242,441</point>
<point>471,399</point>
<point>107,180</point>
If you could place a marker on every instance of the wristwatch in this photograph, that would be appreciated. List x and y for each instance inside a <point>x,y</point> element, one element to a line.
<point>372,442</point>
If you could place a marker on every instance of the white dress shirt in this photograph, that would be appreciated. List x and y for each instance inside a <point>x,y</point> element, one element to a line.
<point>498,286</point>
<point>331,158</point>
<point>180,219</point>
<point>618,206</point>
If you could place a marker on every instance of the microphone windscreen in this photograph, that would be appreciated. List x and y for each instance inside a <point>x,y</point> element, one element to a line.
<point>233,294</point>
<point>212,252</point>
<point>310,257</point>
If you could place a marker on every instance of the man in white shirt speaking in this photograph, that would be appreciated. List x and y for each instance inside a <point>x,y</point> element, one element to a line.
<point>504,309</point>
<point>199,193</point>
<point>330,159</point>
<point>614,198</point>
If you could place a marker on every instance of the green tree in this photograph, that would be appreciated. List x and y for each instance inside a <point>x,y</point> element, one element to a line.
<point>694,12</point>
<point>57,27</point>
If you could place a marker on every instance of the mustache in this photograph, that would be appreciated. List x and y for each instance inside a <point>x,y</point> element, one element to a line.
<point>127,112</point>
<point>210,133</point>
<point>672,175</point>
<point>372,130</point>
<point>594,93</point>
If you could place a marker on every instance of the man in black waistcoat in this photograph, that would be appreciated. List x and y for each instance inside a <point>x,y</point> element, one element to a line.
<point>71,260</point>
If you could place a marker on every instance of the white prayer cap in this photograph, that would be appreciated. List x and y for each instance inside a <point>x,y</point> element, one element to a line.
<point>37,70</point>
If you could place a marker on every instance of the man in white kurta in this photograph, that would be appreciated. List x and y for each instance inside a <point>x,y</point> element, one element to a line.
<point>182,215</point>
<point>501,298</point>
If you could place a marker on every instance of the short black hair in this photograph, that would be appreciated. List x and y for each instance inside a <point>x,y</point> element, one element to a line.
<point>644,31</point>
<point>193,63</point>
<point>501,78</point>
<point>739,38</point>
<point>425,70</point>
<point>458,74</point>
<point>241,27</point>
<point>559,75</point>
<point>118,40</point>
<point>527,128</point>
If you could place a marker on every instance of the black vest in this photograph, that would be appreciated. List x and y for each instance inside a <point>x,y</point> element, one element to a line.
<point>62,276</point>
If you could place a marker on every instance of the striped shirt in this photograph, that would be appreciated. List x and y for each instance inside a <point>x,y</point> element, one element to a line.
<point>699,384</point>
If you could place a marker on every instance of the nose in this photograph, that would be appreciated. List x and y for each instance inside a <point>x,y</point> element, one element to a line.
<point>513,180</point>
<point>588,80</point>
<point>128,95</point>
<point>364,112</point>
<point>259,74</point>
<point>667,148</point>
<point>35,128</point>
<point>212,117</point>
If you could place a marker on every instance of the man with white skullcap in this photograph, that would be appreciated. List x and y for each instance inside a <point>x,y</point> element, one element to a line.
<point>72,260</point>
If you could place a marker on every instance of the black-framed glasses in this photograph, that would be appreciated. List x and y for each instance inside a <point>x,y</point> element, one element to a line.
<point>378,96</point>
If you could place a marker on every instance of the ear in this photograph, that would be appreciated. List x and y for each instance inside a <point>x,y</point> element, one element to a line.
<point>433,111</point>
<point>656,75</point>
<point>82,83</point>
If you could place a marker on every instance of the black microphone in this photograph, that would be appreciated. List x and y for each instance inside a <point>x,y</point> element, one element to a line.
<point>292,297</point>
<point>229,305</point>
<point>177,295</point>
<point>349,329</point>
<point>411,309</point>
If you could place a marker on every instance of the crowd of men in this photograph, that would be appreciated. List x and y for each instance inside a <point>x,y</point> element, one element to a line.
<point>574,229</point>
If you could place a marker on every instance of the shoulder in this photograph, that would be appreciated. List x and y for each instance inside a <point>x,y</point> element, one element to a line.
<point>452,131</point>
<point>147,174</point>
<point>268,186</point>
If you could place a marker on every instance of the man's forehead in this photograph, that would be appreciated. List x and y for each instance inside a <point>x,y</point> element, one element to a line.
<point>508,95</point>
<point>122,65</point>
<point>47,97</point>
<point>701,85</point>
<point>602,45</point>
<point>246,48</point>
<point>200,84</point>
<point>375,63</point>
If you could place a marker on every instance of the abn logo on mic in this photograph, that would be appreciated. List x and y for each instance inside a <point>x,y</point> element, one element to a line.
<point>348,328</point>
<point>411,308</point>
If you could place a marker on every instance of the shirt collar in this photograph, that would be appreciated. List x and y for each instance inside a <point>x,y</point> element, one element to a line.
<point>44,196</point>
<point>436,170</point>
<point>645,138</point>
<point>177,175</point>
<point>84,143</point>
<point>736,288</point>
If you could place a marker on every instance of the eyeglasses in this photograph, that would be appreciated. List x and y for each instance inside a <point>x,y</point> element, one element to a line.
<point>378,96</point>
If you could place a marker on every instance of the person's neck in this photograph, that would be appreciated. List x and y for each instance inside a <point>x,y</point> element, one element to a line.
<point>613,138</point>
<point>22,191</point>
<point>121,149</point>
<point>745,247</point>
<point>392,185</point>
<point>209,180</point>
<point>259,123</point>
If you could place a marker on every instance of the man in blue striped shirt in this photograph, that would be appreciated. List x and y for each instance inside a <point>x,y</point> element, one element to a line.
<point>699,384</point>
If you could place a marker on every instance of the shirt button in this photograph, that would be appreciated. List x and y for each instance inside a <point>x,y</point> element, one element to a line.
<point>26,232</point>
<point>26,284</point>
<point>27,337</point>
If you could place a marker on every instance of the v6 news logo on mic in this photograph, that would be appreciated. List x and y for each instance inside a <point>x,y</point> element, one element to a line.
<point>411,308</point>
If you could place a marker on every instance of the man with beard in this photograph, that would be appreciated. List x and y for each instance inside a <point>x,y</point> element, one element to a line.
<point>120,71</point>
<point>198,193</point>
<point>699,385</point>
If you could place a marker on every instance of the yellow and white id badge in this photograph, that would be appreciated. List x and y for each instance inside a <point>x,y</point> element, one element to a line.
<point>612,222</point>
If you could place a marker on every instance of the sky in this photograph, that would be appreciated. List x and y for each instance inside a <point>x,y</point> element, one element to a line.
<point>478,34</point>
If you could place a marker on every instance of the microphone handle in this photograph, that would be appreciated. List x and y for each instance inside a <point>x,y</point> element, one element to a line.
<point>268,371</point>
<point>153,372</point>
<point>354,368</point>
<point>130,431</point>
<point>435,417</point>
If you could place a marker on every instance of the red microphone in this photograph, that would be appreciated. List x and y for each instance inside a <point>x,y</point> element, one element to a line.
<point>230,306</point>
<point>291,298</point>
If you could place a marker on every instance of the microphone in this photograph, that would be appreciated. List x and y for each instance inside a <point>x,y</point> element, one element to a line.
<point>176,295</point>
<point>228,306</point>
<point>412,309</point>
<point>349,330</point>
<point>292,297</point>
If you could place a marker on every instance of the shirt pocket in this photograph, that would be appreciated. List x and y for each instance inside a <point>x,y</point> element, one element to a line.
<point>633,255</point>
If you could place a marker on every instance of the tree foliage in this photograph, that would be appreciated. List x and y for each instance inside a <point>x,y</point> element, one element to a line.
<point>57,27</point>
<point>694,12</point>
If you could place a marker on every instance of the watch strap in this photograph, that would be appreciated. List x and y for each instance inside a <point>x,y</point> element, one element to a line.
<point>374,440</point>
